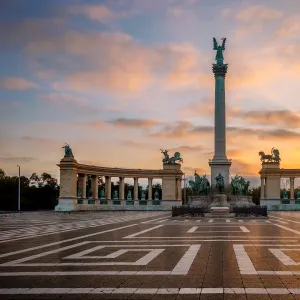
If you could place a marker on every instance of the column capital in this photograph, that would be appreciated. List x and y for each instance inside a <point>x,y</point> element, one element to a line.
<point>220,70</point>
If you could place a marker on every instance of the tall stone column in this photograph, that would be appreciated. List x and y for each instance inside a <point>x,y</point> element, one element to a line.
<point>121,189</point>
<point>150,189</point>
<point>82,185</point>
<point>108,187</point>
<point>95,186</point>
<point>179,193</point>
<point>220,164</point>
<point>136,189</point>
<point>292,183</point>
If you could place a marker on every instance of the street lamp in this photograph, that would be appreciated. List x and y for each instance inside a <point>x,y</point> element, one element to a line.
<point>19,192</point>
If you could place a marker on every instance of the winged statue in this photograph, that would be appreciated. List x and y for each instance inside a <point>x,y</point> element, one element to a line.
<point>220,49</point>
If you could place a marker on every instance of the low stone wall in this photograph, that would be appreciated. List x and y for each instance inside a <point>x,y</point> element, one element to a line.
<point>119,205</point>
<point>284,207</point>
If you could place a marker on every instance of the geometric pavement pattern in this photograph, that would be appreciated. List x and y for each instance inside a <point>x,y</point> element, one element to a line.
<point>148,255</point>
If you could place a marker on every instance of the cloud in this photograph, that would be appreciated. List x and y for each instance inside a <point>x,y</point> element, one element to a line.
<point>190,171</point>
<point>243,168</point>
<point>17,83</point>
<point>17,159</point>
<point>189,149</point>
<point>274,117</point>
<point>134,123</point>
<point>116,63</point>
<point>99,13</point>
<point>258,13</point>
<point>289,27</point>
<point>91,124</point>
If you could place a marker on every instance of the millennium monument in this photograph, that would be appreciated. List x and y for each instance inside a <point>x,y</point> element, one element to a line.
<point>220,165</point>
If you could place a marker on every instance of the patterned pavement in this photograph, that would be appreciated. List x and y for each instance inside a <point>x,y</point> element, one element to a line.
<point>148,255</point>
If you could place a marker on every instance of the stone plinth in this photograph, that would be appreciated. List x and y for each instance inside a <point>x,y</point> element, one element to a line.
<point>171,182</point>
<point>202,201</point>
<point>240,200</point>
<point>67,200</point>
<point>219,200</point>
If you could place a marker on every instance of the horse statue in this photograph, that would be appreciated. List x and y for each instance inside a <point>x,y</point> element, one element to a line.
<point>68,151</point>
<point>166,158</point>
<point>175,158</point>
<point>274,156</point>
<point>200,186</point>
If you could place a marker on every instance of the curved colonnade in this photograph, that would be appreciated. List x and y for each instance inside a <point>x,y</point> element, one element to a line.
<point>71,172</point>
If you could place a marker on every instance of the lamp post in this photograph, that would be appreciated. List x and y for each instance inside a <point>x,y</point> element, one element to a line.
<point>19,192</point>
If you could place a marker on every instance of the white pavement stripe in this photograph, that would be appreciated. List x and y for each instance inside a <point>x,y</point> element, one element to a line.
<point>241,221</point>
<point>198,221</point>
<point>153,220</point>
<point>244,262</point>
<point>163,220</point>
<point>183,266</point>
<point>297,222</point>
<point>286,228</point>
<point>64,241</point>
<point>228,221</point>
<point>141,232</point>
<point>193,229</point>
<point>151,291</point>
<point>244,229</point>
<point>211,220</point>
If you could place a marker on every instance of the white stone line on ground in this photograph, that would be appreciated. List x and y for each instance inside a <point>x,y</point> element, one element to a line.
<point>279,220</point>
<point>150,291</point>
<point>243,260</point>
<point>64,241</point>
<point>211,220</point>
<point>183,266</point>
<point>149,221</point>
<point>162,220</point>
<point>141,232</point>
<point>244,229</point>
<point>241,221</point>
<point>61,231</point>
<point>228,221</point>
<point>198,221</point>
<point>287,228</point>
<point>193,229</point>
<point>285,259</point>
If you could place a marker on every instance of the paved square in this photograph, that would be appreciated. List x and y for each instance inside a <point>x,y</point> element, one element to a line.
<point>148,255</point>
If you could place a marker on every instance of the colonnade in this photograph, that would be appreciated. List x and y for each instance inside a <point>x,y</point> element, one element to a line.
<point>82,178</point>
<point>264,188</point>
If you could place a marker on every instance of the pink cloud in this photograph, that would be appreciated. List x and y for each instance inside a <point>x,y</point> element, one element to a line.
<point>17,83</point>
<point>100,13</point>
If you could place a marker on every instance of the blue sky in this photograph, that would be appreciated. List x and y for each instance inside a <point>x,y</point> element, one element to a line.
<point>118,80</point>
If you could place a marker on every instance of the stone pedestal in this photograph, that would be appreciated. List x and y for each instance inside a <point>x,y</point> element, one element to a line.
<point>219,208</point>
<point>67,200</point>
<point>171,182</point>
<point>220,166</point>
<point>219,200</point>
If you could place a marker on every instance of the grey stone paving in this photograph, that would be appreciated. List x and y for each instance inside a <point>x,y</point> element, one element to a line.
<point>148,255</point>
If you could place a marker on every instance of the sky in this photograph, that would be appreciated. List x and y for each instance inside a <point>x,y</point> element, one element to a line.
<point>120,79</point>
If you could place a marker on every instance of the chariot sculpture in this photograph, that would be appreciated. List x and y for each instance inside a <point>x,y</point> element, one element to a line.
<point>170,160</point>
<point>273,157</point>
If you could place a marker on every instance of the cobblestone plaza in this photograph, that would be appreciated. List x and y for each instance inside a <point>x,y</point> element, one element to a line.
<point>148,255</point>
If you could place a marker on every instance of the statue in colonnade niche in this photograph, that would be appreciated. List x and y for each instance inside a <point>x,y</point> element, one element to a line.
<point>298,194</point>
<point>68,151</point>
<point>143,195</point>
<point>285,195</point>
<point>156,195</point>
<point>79,193</point>
<point>115,195</point>
<point>102,194</point>
<point>129,197</point>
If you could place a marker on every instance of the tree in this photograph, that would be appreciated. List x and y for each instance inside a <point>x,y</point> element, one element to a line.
<point>2,174</point>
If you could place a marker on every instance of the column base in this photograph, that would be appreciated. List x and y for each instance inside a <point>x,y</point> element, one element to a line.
<point>67,204</point>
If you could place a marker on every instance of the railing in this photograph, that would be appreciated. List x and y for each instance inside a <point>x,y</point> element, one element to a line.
<point>255,211</point>
<point>188,211</point>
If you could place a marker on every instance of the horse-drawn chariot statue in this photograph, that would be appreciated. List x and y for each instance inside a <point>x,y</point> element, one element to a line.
<point>170,160</point>
<point>273,157</point>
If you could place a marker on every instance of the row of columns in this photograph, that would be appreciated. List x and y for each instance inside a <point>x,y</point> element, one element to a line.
<point>82,185</point>
<point>264,184</point>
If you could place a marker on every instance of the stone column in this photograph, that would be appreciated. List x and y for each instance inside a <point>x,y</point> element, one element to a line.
<point>82,185</point>
<point>121,189</point>
<point>266,188</point>
<point>179,193</point>
<point>108,187</point>
<point>150,189</point>
<point>262,188</point>
<point>136,189</point>
<point>67,200</point>
<point>95,186</point>
<point>292,182</point>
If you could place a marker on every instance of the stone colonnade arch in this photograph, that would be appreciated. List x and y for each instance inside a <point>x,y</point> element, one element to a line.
<point>71,171</point>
